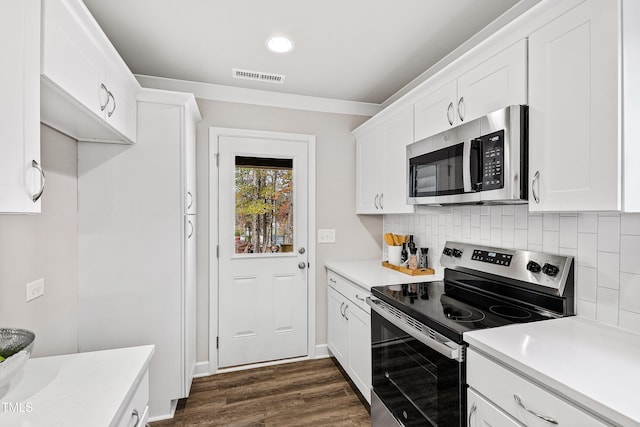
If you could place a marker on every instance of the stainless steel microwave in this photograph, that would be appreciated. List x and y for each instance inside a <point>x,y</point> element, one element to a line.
<point>484,161</point>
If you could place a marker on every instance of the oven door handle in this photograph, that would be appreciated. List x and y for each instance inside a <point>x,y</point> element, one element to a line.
<point>448,349</point>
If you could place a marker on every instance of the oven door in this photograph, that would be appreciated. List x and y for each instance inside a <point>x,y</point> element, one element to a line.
<point>414,383</point>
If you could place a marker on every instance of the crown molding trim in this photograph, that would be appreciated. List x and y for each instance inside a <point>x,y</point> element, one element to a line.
<point>260,97</point>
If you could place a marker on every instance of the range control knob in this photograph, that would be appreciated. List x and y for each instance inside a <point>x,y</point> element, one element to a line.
<point>534,267</point>
<point>457,253</point>
<point>447,251</point>
<point>550,270</point>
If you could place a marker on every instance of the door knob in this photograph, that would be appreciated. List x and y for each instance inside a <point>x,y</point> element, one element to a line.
<point>302,265</point>
<point>301,251</point>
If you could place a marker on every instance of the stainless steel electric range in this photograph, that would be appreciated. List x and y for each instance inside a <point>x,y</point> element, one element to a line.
<point>418,351</point>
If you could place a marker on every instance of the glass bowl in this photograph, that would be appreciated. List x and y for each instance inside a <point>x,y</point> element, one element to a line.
<point>15,348</point>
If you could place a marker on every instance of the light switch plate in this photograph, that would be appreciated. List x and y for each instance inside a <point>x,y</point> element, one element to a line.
<point>35,289</point>
<point>326,236</point>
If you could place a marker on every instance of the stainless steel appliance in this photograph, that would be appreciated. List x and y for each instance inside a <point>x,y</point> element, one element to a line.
<point>417,330</point>
<point>481,161</point>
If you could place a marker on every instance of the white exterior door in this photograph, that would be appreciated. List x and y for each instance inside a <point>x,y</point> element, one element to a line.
<point>263,256</point>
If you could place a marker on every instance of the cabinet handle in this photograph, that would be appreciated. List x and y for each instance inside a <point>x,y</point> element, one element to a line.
<point>461,108</point>
<point>361,299</point>
<point>137,416</point>
<point>542,417</point>
<point>450,113</point>
<point>536,179</point>
<point>380,201</point>
<point>110,95</point>
<point>332,281</point>
<point>190,229</point>
<point>473,409</point>
<point>190,203</point>
<point>345,312</point>
<point>375,201</point>
<point>104,88</point>
<point>341,312</point>
<point>35,164</point>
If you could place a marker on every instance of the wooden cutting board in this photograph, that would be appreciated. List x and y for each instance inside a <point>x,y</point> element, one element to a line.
<point>418,272</point>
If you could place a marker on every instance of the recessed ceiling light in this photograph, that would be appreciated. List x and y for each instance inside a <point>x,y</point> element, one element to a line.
<point>279,44</point>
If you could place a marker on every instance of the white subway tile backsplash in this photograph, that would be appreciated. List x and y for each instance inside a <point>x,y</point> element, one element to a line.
<point>630,292</point>
<point>568,232</point>
<point>629,320</point>
<point>586,284</point>
<point>587,223</point>
<point>606,247</point>
<point>588,249</point>
<point>608,270</point>
<point>551,222</point>
<point>586,309</point>
<point>630,224</point>
<point>535,230</point>
<point>609,233</point>
<point>550,242</point>
<point>630,254</point>
<point>607,306</point>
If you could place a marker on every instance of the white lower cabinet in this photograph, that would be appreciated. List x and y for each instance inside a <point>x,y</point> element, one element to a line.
<point>481,412</point>
<point>518,398</point>
<point>137,412</point>
<point>349,329</point>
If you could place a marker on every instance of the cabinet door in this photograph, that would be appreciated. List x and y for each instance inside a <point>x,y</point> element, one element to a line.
<point>189,301</point>
<point>19,105</point>
<point>369,164</point>
<point>190,166</point>
<point>359,326</point>
<point>435,112</point>
<point>337,330</point>
<point>494,84</point>
<point>398,132</point>
<point>121,111</point>
<point>574,146</point>
<point>481,413</point>
<point>72,60</point>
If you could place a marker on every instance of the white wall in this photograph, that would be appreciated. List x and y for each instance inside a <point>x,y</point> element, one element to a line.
<point>606,247</point>
<point>356,237</point>
<point>45,246</point>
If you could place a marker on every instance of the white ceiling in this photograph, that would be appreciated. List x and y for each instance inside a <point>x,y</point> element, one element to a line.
<point>356,50</point>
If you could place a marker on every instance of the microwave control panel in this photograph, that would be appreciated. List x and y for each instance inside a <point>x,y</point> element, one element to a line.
<point>493,160</point>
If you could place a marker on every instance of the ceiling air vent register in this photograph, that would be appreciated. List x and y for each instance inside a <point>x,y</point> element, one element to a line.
<point>258,76</point>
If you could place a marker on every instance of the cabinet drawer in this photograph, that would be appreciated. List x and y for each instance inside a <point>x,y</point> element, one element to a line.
<point>481,412</point>
<point>137,412</point>
<point>351,291</point>
<point>501,386</point>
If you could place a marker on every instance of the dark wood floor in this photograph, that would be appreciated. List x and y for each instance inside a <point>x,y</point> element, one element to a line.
<point>309,393</point>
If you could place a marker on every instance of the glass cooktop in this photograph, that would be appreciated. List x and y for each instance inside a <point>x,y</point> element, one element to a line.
<point>451,310</point>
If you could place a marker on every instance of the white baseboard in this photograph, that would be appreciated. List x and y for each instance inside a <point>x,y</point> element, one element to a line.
<point>322,351</point>
<point>170,415</point>
<point>202,369</point>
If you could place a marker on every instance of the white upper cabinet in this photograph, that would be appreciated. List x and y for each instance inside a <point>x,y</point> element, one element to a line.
<point>574,79</point>
<point>87,90</point>
<point>381,165</point>
<point>495,83</point>
<point>20,178</point>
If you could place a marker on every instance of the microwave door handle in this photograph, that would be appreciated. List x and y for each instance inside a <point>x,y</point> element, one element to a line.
<point>476,164</point>
<point>466,166</point>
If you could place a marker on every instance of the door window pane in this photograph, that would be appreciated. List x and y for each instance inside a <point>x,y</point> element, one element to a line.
<point>264,205</point>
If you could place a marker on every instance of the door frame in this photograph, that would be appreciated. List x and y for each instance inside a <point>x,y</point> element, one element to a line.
<point>214,134</point>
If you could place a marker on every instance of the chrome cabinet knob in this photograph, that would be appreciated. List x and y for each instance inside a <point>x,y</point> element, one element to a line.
<point>302,265</point>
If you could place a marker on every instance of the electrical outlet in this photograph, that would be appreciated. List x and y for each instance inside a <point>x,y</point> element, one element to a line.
<point>326,236</point>
<point>35,289</point>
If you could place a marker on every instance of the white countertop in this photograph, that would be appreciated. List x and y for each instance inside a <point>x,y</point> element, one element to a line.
<point>369,273</point>
<point>79,389</point>
<point>595,365</point>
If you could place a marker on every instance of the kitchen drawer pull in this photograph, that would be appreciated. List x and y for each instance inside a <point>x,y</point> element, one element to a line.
<point>332,280</point>
<point>104,88</point>
<point>110,95</point>
<point>345,312</point>
<point>137,416</point>
<point>450,113</point>
<point>36,165</point>
<point>361,299</point>
<point>375,201</point>
<point>380,201</point>
<point>542,417</point>
<point>536,179</point>
<point>190,229</point>
<point>473,409</point>
<point>342,312</point>
<point>461,108</point>
<point>190,203</point>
